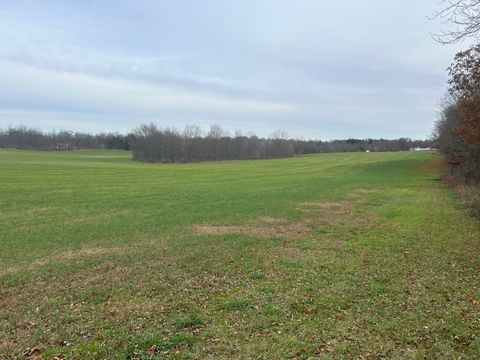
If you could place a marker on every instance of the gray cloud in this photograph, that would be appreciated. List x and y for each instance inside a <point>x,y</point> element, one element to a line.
<point>315,69</point>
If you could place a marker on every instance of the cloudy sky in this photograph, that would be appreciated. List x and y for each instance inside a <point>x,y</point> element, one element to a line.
<point>314,68</point>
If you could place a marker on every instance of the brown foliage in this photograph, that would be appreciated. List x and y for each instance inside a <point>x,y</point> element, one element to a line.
<point>470,122</point>
<point>465,86</point>
<point>458,132</point>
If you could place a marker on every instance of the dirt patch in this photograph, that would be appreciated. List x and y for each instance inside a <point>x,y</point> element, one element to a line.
<point>286,230</point>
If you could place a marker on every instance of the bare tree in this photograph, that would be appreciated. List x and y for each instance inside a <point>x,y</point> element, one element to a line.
<point>464,14</point>
<point>154,144</point>
<point>22,137</point>
<point>192,131</point>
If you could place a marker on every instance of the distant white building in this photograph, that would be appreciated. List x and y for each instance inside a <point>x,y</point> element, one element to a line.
<point>422,149</point>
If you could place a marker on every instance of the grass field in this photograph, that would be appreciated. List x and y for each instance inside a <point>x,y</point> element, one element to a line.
<point>336,256</point>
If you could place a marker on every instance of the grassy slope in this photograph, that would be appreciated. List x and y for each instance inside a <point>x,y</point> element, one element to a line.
<point>99,257</point>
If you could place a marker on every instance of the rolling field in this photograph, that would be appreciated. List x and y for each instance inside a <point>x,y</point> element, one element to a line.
<point>352,255</point>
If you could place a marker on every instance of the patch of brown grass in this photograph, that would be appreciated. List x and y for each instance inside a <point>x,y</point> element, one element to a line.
<point>470,196</point>
<point>324,212</point>
<point>7,346</point>
<point>329,212</point>
<point>289,230</point>
<point>326,206</point>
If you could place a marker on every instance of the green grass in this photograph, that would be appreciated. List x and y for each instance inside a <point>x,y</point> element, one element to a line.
<point>334,256</point>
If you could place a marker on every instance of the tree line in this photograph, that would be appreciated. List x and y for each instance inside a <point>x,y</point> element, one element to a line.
<point>457,131</point>
<point>152,143</point>
<point>22,137</point>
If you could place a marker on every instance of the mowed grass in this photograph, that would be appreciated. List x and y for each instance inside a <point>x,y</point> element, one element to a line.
<point>326,256</point>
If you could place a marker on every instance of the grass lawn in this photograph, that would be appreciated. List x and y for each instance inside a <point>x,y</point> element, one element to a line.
<point>333,255</point>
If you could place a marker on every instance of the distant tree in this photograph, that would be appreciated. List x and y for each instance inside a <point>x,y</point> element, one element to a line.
<point>115,141</point>
<point>155,144</point>
<point>22,137</point>
<point>192,131</point>
<point>216,132</point>
<point>152,143</point>
<point>404,143</point>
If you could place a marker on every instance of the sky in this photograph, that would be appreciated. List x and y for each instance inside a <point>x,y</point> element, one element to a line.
<point>315,69</point>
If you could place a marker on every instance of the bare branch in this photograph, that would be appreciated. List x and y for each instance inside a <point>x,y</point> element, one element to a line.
<point>465,14</point>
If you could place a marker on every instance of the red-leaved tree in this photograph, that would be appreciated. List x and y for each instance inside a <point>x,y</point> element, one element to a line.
<point>465,88</point>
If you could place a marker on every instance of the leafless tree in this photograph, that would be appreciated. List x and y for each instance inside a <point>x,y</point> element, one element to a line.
<point>154,144</point>
<point>464,14</point>
<point>22,137</point>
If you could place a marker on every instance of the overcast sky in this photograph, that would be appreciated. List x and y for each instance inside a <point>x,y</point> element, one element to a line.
<point>314,68</point>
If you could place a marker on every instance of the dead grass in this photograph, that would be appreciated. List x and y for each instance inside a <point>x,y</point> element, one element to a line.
<point>437,165</point>
<point>326,205</point>
<point>329,211</point>
<point>470,196</point>
<point>290,230</point>
<point>324,213</point>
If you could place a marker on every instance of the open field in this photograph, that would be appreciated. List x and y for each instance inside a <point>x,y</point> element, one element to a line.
<point>335,256</point>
